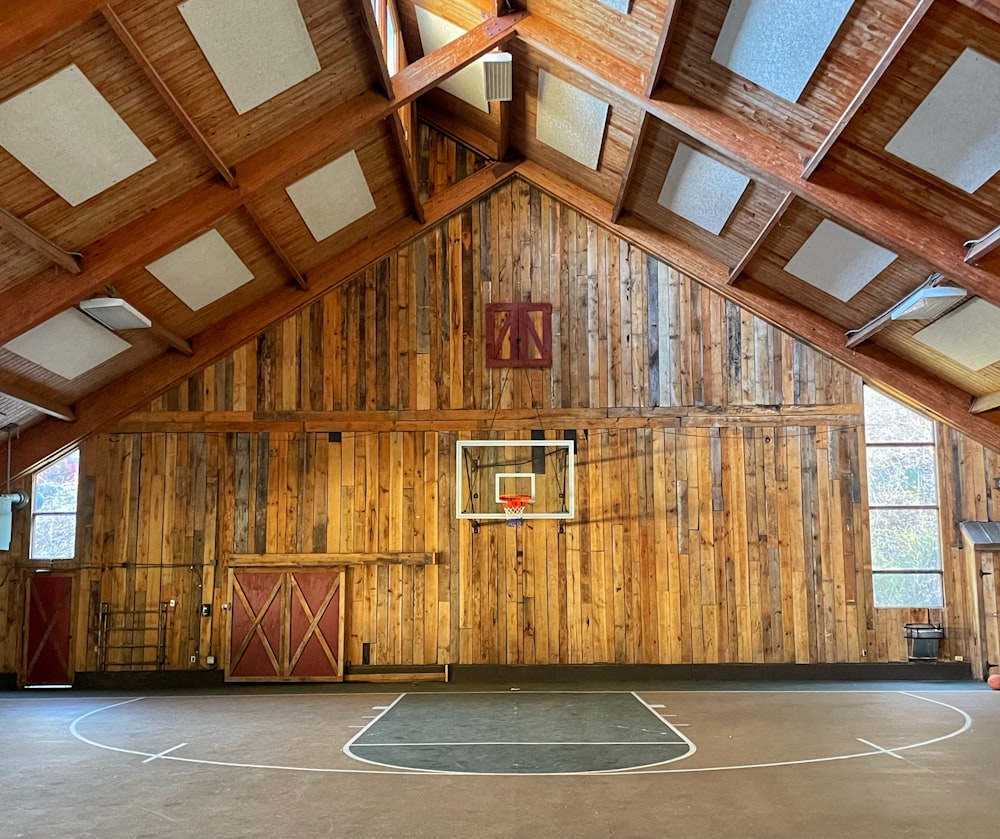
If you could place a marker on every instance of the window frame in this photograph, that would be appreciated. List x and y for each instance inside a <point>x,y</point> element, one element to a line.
<point>932,446</point>
<point>38,515</point>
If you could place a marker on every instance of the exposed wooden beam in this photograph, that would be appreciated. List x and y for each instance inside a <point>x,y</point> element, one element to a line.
<point>283,560</point>
<point>465,419</point>
<point>897,43</point>
<point>663,45</point>
<point>180,344</point>
<point>987,8</point>
<point>779,211</point>
<point>452,124</point>
<point>279,251</point>
<point>981,404</point>
<point>502,109</point>
<point>980,247</point>
<point>766,158</point>
<point>25,392</point>
<point>408,164</point>
<point>633,155</point>
<point>295,155</point>
<point>47,440</point>
<point>374,38</point>
<point>27,235</point>
<point>167,95</point>
<point>911,384</point>
<point>27,24</point>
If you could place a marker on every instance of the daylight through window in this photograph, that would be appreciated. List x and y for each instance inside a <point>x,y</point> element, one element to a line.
<point>903,503</point>
<point>53,509</point>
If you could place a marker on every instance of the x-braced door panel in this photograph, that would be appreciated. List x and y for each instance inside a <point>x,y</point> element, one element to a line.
<point>286,625</point>
<point>47,645</point>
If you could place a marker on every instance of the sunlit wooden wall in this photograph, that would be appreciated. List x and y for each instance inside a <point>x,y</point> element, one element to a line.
<point>719,477</point>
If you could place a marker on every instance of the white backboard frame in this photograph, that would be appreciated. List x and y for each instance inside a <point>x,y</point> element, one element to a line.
<point>570,500</point>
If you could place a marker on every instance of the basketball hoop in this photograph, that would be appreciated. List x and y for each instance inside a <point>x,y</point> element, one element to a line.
<point>513,507</point>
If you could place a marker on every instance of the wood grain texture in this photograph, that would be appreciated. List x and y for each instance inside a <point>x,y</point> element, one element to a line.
<point>720,470</point>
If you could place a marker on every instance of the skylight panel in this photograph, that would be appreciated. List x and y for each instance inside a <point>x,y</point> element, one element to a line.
<point>955,132</point>
<point>570,120</point>
<point>467,83</point>
<point>838,261</point>
<point>202,271</point>
<point>256,50</point>
<point>701,189</point>
<point>618,5</point>
<point>333,196</point>
<point>967,334</point>
<point>68,344</point>
<point>778,44</point>
<point>64,131</point>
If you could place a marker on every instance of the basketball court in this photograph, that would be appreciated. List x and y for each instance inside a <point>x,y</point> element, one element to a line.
<point>910,759</point>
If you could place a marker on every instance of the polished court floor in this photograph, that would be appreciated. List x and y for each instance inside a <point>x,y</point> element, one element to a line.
<point>907,759</point>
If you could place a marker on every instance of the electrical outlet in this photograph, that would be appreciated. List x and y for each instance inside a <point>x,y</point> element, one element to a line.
<point>194,659</point>
<point>210,661</point>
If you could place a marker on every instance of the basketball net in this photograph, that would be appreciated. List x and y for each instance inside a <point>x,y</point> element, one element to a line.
<point>513,507</point>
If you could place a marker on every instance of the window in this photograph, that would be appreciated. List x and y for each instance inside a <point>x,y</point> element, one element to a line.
<point>386,20</point>
<point>53,509</point>
<point>903,505</point>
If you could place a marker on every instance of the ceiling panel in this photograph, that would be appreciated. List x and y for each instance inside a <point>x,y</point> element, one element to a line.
<point>343,50</point>
<point>857,47</point>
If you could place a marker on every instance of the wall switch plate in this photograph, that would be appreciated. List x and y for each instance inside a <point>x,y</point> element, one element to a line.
<point>194,659</point>
<point>206,610</point>
<point>173,603</point>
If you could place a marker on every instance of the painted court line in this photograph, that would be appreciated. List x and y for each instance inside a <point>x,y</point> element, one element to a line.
<point>876,750</point>
<point>880,748</point>
<point>523,743</point>
<point>166,752</point>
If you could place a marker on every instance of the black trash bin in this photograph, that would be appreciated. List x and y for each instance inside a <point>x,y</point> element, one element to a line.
<point>922,640</point>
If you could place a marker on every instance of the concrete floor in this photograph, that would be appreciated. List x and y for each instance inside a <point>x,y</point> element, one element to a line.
<point>914,760</point>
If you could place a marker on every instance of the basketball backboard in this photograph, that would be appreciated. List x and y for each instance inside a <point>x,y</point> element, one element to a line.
<point>487,469</point>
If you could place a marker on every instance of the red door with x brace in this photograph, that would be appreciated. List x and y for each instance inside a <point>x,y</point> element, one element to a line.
<point>286,625</point>
<point>47,643</point>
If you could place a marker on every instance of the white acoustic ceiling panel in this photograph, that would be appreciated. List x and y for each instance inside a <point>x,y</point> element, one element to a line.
<point>622,6</point>
<point>202,271</point>
<point>256,49</point>
<point>968,334</point>
<point>778,44</point>
<point>838,261</point>
<point>64,131</point>
<point>467,83</point>
<point>955,132</point>
<point>570,120</point>
<point>701,189</point>
<point>332,197</point>
<point>68,344</point>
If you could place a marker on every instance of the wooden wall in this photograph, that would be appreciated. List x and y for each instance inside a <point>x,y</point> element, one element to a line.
<point>720,487</point>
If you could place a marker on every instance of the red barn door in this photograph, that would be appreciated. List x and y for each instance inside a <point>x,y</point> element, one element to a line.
<point>286,625</point>
<point>47,643</point>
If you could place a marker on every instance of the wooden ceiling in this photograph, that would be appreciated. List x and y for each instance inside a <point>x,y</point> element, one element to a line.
<point>819,158</point>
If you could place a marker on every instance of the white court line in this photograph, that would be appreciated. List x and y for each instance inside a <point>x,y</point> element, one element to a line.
<point>166,752</point>
<point>524,743</point>
<point>967,724</point>
<point>880,748</point>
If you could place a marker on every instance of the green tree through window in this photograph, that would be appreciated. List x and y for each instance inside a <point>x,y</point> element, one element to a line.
<point>904,518</point>
<point>53,509</point>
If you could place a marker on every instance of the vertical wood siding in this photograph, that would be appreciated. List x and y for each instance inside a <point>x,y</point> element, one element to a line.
<point>720,483</point>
